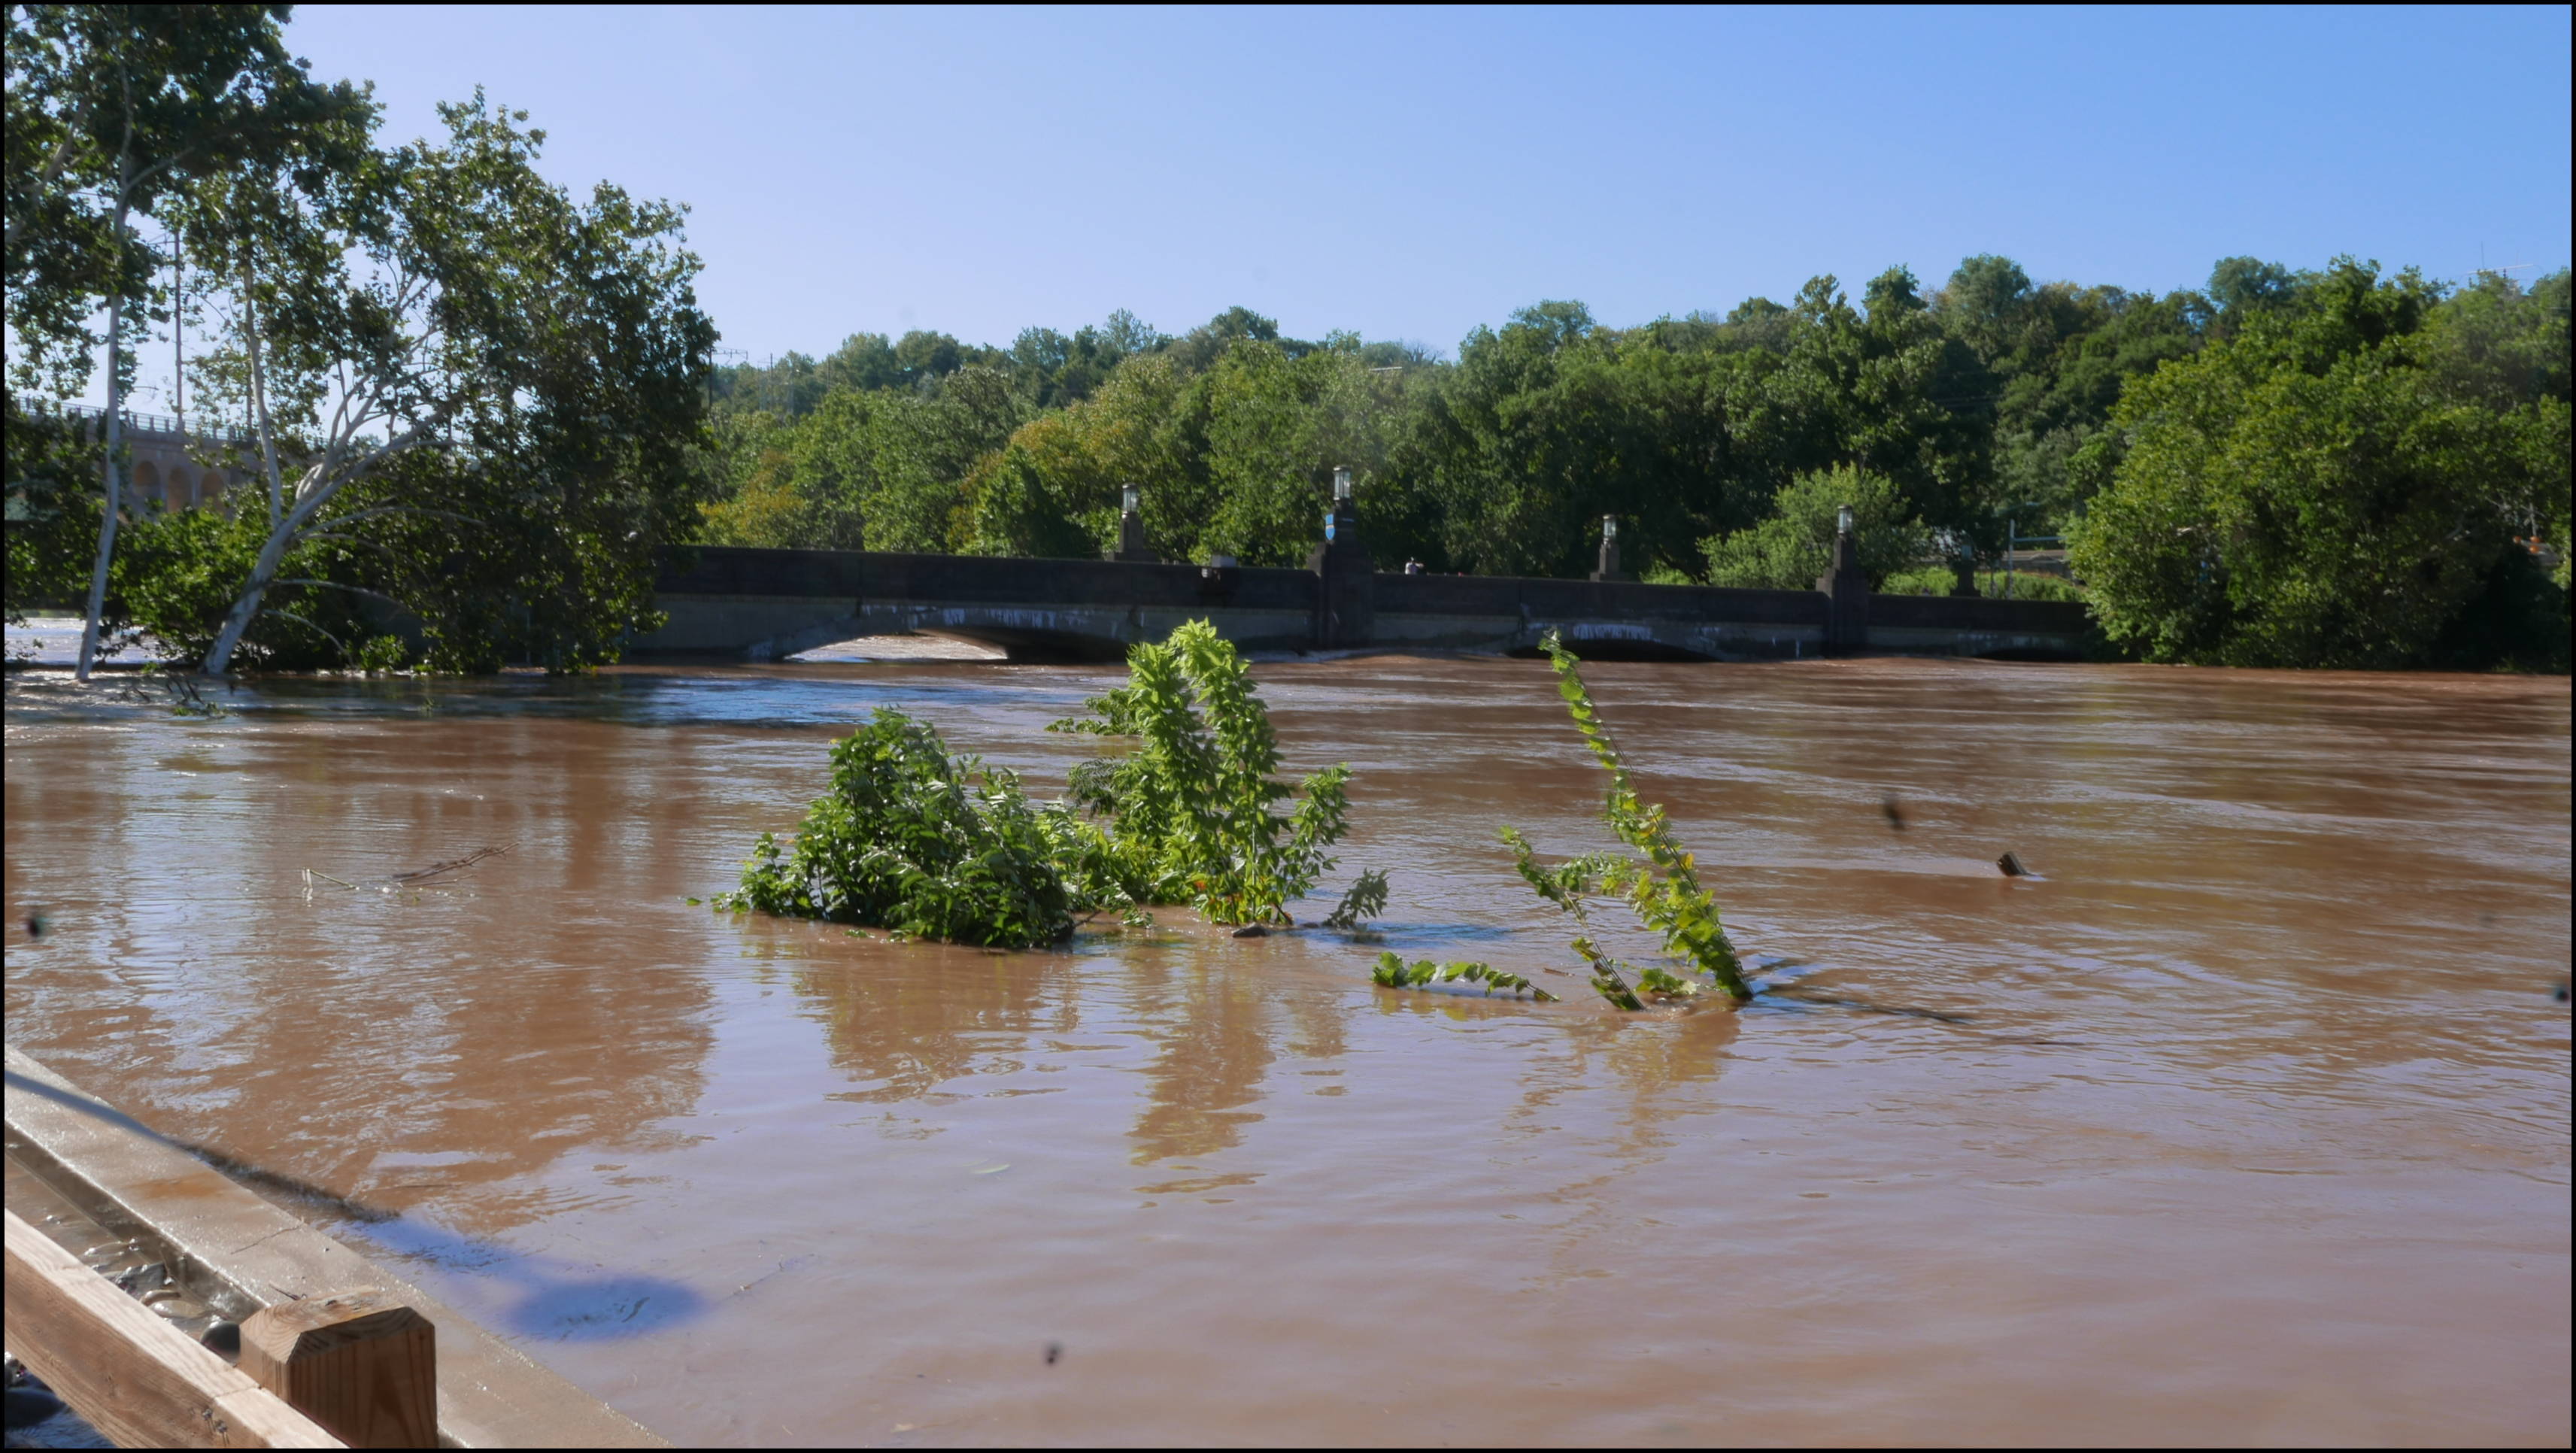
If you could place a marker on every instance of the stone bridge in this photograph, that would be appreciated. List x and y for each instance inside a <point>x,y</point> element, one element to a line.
<point>745,604</point>
<point>165,459</point>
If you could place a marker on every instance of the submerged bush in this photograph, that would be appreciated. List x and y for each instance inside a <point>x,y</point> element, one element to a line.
<point>1659,880</point>
<point>901,842</point>
<point>1363,900</point>
<point>1394,973</point>
<point>1186,817</point>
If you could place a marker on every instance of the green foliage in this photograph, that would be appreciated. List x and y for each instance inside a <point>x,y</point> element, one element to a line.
<point>1658,879</point>
<point>177,575</point>
<point>1186,817</point>
<point>771,495</point>
<point>1187,813</point>
<point>113,111</point>
<point>1393,973</point>
<point>2055,357</point>
<point>382,653</point>
<point>475,396</point>
<point>903,842</point>
<point>485,394</point>
<point>1570,885</point>
<point>2320,489</point>
<point>1796,545</point>
<point>1365,899</point>
<point>53,499</point>
<point>1991,580</point>
<point>2033,585</point>
<point>1685,428</point>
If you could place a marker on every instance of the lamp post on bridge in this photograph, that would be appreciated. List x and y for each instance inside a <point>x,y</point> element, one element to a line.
<point>1132,548</point>
<point>1846,590</point>
<point>1346,577</point>
<point>1610,551</point>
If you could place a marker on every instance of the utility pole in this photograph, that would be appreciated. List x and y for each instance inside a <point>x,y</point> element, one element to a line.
<point>178,338</point>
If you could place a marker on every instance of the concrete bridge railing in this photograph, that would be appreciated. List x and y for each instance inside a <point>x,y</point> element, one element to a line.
<point>747,604</point>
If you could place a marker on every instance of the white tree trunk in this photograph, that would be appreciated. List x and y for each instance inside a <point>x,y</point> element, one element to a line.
<point>282,527</point>
<point>115,434</point>
<point>219,656</point>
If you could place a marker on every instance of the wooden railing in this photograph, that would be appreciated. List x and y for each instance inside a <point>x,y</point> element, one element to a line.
<point>137,1379</point>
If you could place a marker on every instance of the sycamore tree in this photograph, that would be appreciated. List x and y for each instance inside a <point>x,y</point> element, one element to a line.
<point>114,111</point>
<point>474,398</point>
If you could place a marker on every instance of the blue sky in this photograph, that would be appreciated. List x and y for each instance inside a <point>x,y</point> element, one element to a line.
<point>1410,174</point>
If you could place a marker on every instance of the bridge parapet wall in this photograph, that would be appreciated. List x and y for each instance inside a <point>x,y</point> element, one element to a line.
<point>1968,625</point>
<point>770,603</point>
<point>881,575</point>
<point>1627,600</point>
<point>1977,613</point>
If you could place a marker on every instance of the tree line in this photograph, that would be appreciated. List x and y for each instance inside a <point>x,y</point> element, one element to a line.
<point>474,401</point>
<point>2291,467</point>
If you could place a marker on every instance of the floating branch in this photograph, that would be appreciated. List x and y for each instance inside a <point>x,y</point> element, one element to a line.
<point>391,881</point>
<point>451,865</point>
<point>1392,972</point>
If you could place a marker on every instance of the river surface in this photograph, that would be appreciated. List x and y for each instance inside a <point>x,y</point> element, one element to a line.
<point>2249,1121</point>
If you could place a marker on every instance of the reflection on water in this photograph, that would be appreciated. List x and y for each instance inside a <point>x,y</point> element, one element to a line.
<point>2246,1120</point>
<point>1208,1066</point>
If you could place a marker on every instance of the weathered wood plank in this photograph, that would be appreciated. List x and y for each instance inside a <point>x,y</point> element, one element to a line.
<point>360,1363</point>
<point>136,1378</point>
<point>491,1395</point>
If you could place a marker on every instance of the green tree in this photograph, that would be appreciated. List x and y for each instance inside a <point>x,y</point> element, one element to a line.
<point>759,498</point>
<point>922,448</point>
<point>53,509</point>
<point>2242,289</point>
<point>1795,545</point>
<point>489,390</point>
<point>112,109</point>
<point>2054,358</point>
<point>1055,491</point>
<point>2311,492</point>
<point>1277,428</point>
<point>2497,344</point>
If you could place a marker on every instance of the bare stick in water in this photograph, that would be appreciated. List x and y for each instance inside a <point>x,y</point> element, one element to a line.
<point>452,864</point>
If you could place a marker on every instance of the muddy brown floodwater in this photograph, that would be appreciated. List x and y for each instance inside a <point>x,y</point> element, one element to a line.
<point>2257,1130</point>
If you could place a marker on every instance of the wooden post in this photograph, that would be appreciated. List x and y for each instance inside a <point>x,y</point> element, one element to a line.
<point>360,1363</point>
<point>135,1377</point>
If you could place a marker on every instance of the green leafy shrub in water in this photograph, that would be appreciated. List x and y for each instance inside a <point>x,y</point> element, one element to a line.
<point>1187,816</point>
<point>1657,878</point>
<point>902,842</point>
<point>1394,973</point>
<point>382,653</point>
<point>1365,899</point>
